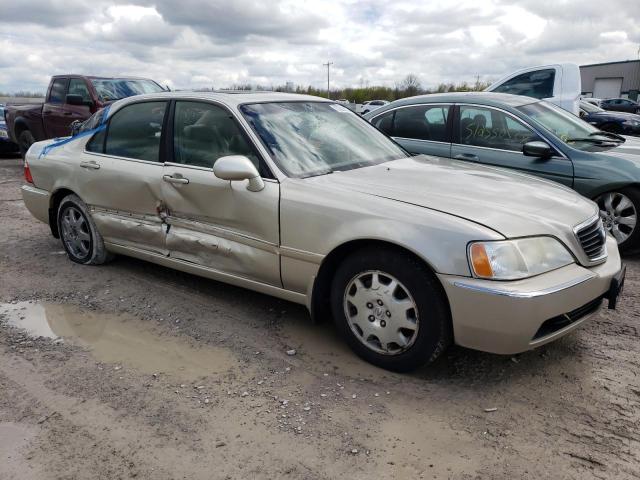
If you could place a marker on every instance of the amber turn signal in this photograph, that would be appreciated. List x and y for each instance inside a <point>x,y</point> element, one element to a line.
<point>480,261</point>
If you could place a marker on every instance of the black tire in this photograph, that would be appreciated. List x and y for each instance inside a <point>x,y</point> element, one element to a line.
<point>86,252</point>
<point>632,243</point>
<point>434,332</point>
<point>25,140</point>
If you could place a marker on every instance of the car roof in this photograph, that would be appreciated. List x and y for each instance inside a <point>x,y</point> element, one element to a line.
<point>485,98</point>
<point>94,77</point>
<point>230,98</point>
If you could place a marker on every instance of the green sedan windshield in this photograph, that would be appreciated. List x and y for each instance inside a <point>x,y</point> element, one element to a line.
<point>567,127</point>
<point>315,138</point>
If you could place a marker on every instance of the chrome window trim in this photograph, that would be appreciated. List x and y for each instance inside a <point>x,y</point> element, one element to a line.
<point>518,119</point>
<point>448,105</point>
<point>115,157</point>
<point>410,105</point>
<point>420,140</point>
<point>278,175</point>
<point>530,294</point>
<point>246,128</point>
<point>498,150</point>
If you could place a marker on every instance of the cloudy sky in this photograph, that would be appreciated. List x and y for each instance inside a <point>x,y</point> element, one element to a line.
<point>212,43</point>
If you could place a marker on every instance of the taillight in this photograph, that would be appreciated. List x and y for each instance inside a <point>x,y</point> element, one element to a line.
<point>27,173</point>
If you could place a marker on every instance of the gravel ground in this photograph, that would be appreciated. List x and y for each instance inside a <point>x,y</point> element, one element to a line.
<point>165,375</point>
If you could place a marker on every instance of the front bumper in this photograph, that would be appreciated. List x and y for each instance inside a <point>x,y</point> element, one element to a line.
<point>512,317</point>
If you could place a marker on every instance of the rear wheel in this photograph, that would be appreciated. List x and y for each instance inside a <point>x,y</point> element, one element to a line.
<point>619,213</point>
<point>80,238</point>
<point>25,140</point>
<point>390,309</point>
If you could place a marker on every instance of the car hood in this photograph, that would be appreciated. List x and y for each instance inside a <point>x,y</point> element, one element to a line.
<point>510,203</point>
<point>629,150</point>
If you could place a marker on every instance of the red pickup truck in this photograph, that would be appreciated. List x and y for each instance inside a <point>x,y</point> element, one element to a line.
<point>69,98</point>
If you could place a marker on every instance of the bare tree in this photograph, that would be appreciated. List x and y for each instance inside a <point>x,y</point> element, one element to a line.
<point>411,85</point>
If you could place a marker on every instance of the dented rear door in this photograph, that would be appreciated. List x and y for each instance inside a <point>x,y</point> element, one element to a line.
<point>119,177</point>
<point>212,222</point>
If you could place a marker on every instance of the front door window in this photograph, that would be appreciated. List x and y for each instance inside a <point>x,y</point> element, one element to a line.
<point>489,128</point>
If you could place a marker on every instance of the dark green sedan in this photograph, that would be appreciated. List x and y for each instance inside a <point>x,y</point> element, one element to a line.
<point>529,135</point>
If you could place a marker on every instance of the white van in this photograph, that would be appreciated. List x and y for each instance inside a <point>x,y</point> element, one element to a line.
<point>559,84</point>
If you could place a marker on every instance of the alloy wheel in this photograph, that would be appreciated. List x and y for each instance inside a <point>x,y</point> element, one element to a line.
<point>618,214</point>
<point>381,312</point>
<point>75,232</point>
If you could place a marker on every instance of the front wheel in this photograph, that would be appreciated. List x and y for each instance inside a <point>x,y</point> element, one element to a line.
<point>390,309</point>
<point>80,237</point>
<point>619,213</point>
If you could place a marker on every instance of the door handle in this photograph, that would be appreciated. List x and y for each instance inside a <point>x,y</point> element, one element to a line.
<point>170,179</point>
<point>466,156</point>
<point>91,164</point>
<point>67,113</point>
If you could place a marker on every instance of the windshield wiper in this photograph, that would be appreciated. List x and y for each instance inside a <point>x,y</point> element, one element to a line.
<point>608,135</point>
<point>597,141</point>
<point>318,173</point>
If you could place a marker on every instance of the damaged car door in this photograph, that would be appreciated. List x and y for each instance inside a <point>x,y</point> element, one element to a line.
<point>215,223</point>
<point>120,174</point>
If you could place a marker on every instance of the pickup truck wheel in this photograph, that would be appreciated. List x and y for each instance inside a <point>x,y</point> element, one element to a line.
<point>390,309</point>
<point>25,140</point>
<point>78,233</point>
<point>619,212</point>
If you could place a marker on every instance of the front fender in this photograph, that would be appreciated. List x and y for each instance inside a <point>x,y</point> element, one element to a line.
<point>315,222</point>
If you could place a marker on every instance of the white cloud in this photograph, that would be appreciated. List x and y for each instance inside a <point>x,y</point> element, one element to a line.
<point>215,43</point>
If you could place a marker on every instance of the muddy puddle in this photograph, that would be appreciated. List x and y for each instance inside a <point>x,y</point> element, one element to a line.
<point>123,340</point>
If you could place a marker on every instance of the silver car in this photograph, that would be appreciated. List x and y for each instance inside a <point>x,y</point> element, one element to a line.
<point>298,197</point>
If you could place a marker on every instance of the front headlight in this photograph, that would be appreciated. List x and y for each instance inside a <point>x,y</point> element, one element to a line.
<point>516,259</point>
<point>631,123</point>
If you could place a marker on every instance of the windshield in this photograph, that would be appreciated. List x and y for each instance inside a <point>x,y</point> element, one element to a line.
<point>315,138</point>
<point>567,127</point>
<point>109,89</point>
<point>590,107</point>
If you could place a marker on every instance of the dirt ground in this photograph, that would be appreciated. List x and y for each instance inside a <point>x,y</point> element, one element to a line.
<point>134,370</point>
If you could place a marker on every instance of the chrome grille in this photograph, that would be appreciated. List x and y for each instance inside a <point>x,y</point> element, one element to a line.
<point>592,238</point>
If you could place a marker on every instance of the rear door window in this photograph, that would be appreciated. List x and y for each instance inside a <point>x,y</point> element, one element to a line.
<point>58,90</point>
<point>135,131</point>
<point>422,122</point>
<point>536,84</point>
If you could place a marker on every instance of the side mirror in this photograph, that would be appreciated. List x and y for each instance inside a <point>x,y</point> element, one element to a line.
<point>537,149</point>
<point>238,167</point>
<point>73,99</point>
<point>75,127</point>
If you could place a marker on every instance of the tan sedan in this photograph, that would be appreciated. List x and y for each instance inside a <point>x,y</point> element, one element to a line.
<point>298,197</point>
